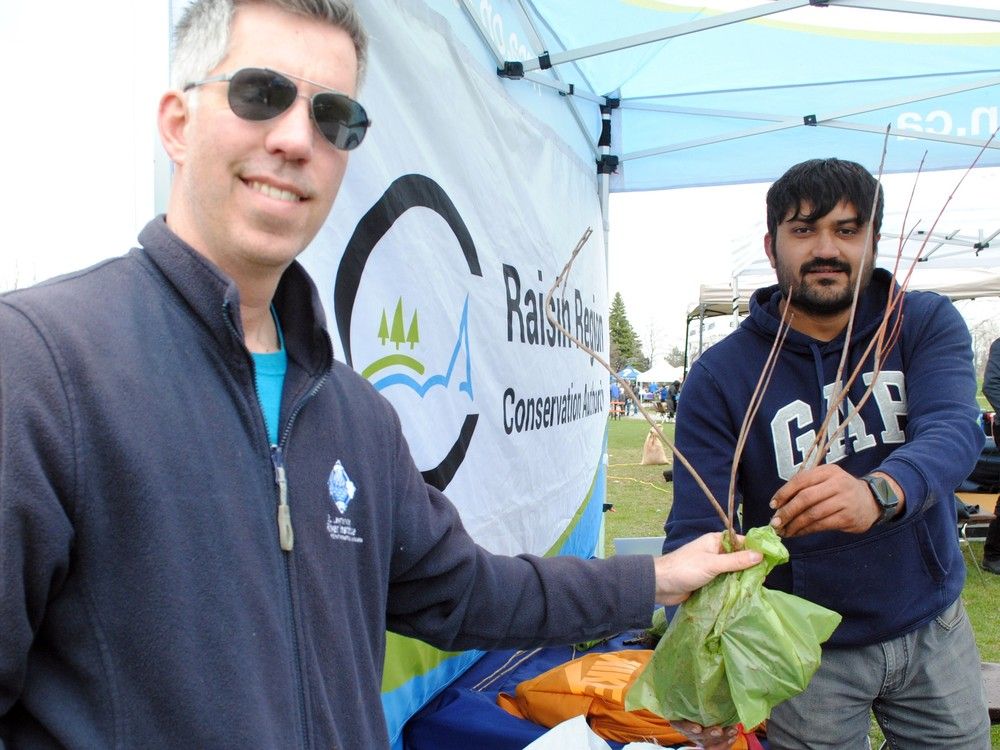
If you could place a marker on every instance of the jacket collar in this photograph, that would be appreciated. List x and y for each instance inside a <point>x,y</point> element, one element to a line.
<point>214,298</point>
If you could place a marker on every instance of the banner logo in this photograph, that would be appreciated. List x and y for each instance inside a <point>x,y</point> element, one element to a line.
<point>399,331</point>
<point>417,382</point>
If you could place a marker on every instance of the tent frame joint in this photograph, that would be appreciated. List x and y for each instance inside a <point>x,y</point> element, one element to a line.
<point>512,69</point>
<point>607,164</point>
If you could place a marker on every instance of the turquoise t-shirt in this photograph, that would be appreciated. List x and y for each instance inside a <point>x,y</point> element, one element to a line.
<point>269,371</point>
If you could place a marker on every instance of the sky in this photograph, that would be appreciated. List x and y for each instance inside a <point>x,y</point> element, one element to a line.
<point>662,245</point>
<point>79,131</point>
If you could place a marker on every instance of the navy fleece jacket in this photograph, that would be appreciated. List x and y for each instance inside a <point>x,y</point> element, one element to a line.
<point>919,427</point>
<point>145,601</point>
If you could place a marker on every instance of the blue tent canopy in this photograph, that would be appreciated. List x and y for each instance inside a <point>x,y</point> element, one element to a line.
<point>730,91</point>
<point>628,373</point>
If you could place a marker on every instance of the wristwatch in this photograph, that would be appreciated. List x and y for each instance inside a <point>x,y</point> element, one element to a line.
<point>885,496</point>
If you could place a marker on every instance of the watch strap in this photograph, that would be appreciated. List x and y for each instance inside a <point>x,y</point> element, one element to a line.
<point>885,496</point>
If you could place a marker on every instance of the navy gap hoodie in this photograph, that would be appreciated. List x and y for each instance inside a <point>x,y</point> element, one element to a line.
<point>919,426</point>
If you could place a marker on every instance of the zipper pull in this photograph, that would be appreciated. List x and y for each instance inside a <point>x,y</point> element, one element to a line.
<point>286,535</point>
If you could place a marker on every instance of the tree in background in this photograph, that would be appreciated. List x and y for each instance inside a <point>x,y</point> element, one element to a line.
<point>675,357</point>
<point>626,347</point>
<point>983,334</point>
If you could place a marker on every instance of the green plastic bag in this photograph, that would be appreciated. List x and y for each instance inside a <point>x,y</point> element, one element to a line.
<point>735,649</point>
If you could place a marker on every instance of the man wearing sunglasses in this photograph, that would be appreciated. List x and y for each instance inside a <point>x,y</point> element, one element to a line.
<point>207,523</point>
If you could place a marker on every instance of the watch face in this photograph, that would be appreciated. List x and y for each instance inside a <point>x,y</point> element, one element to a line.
<point>883,492</point>
<point>884,495</point>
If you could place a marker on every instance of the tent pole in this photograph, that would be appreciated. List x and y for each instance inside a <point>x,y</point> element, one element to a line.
<point>605,188</point>
<point>552,80</point>
<point>747,14</point>
<point>606,164</point>
<point>736,298</point>
<point>832,120</point>
<point>669,32</point>
<point>687,342</point>
<point>701,331</point>
<point>923,8</point>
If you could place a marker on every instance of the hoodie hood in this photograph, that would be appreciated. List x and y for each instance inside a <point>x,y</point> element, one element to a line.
<point>765,315</point>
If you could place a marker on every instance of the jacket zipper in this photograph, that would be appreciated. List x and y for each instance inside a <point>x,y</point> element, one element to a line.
<point>286,535</point>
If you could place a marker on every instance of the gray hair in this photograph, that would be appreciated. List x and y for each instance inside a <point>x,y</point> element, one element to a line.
<point>201,37</point>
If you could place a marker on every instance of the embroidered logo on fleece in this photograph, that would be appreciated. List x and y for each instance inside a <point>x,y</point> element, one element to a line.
<point>342,491</point>
<point>341,487</point>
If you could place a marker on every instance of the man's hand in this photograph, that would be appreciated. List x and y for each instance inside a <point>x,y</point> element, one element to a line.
<point>710,738</point>
<point>825,498</point>
<point>690,567</point>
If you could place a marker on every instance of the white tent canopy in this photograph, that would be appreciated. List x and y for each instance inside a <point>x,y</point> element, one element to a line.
<point>955,283</point>
<point>722,299</point>
<point>662,373</point>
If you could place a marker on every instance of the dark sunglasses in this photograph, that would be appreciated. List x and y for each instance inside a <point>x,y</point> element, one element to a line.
<point>262,94</point>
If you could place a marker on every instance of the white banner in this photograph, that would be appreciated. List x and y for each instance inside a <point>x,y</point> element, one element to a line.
<point>456,216</point>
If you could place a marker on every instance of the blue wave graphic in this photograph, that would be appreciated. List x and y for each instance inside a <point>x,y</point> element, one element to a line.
<point>443,380</point>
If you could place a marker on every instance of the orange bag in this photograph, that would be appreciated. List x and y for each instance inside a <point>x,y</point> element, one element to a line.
<point>594,686</point>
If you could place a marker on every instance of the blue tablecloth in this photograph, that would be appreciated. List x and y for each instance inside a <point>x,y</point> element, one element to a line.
<point>466,715</point>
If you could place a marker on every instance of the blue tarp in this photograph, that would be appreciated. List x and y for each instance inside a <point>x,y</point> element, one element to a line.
<point>466,714</point>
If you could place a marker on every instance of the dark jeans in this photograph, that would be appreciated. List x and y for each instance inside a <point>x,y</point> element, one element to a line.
<point>923,686</point>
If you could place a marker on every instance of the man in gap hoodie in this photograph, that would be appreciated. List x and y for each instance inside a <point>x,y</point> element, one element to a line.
<point>871,529</point>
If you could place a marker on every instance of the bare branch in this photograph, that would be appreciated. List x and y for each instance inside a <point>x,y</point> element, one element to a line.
<point>561,281</point>
<point>755,401</point>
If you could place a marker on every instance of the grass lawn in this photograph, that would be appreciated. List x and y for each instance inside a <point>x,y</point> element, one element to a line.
<point>642,498</point>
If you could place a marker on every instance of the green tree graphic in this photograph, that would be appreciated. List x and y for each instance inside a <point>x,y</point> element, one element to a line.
<point>397,337</point>
<point>383,329</point>
<point>413,335</point>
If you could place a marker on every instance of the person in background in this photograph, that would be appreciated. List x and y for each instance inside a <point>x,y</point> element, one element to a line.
<point>616,399</point>
<point>871,529</point>
<point>207,523</point>
<point>991,390</point>
<point>673,394</point>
